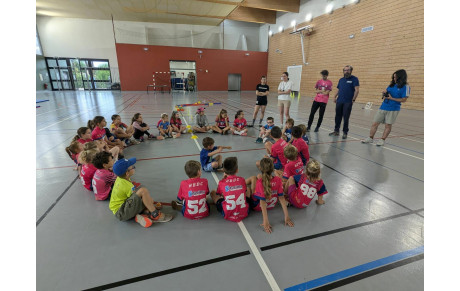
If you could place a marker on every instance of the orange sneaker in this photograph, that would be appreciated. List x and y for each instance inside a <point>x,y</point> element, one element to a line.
<point>143,220</point>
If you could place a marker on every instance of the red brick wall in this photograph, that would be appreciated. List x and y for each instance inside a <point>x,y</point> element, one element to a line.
<point>136,65</point>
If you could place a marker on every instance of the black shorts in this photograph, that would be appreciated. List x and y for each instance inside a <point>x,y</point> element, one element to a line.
<point>261,100</point>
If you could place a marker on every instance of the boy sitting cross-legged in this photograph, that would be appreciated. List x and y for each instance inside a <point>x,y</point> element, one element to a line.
<point>127,202</point>
<point>191,198</point>
<point>208,163</point>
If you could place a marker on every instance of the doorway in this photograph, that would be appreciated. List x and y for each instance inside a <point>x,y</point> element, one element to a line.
<point>234,82</point>
<point>183,75</point>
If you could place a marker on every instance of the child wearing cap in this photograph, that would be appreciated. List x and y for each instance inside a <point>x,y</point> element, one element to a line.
<point>127,202</point>
<point>202,124</point>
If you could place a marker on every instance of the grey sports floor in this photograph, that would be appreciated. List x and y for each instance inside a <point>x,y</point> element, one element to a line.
<point>368,236</point>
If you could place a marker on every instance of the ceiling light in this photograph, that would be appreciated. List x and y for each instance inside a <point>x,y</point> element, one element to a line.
<point>308,17</point>
<point>270,33</point>
<point>329,8</point>
<point>280,29</point>
<point>355,1</point>
<point>293,23</point>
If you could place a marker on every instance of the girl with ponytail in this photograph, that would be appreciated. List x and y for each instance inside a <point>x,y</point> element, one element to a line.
<point>266,190</point>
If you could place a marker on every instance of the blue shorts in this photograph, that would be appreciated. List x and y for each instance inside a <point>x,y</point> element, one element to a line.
<point>278,165</point>
<point>208,167</point>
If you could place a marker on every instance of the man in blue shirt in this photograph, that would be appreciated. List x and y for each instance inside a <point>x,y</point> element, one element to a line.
<point>348,92</point>
<point>396,93</point>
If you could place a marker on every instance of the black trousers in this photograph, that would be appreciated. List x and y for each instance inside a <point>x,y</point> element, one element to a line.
<point>342,110</point>
<point>138,133</point>
<point>314,108</point>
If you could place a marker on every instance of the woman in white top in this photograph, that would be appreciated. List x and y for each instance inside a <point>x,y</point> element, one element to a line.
<point>284,96</point>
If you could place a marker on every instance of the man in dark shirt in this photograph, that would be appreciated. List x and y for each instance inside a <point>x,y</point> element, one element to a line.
<point>348,92</point>
<point>262,91</point>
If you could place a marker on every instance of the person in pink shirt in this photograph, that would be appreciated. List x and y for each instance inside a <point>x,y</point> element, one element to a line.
<point>83,135</point>
<point>294,166</point>
<point>176,123</point>
<point>74,150</point>
<point>300,144</point>
<point>240,124</point>
<point>266,190</point>
<point>222,125</point>
<point>88,169</point>
<point>191,198</point>
<point>276,151</point>
<point>103,178</point>
<point>323,88</point>
<point>98,132</point>
<point>231,193</point>
<point>301,189</point>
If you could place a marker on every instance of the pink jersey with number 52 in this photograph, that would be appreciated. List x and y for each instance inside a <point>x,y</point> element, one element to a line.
<point>193,193</point>
<point>277,191</point>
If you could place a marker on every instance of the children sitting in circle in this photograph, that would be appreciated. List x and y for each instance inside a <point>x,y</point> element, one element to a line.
<point>286,173</point>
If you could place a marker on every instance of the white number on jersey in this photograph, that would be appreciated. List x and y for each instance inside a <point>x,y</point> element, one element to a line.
<point>308,191</point>
<point>193,206</point>
<point>232,203</point>
<point>94,186</point>
<point>272,202</point>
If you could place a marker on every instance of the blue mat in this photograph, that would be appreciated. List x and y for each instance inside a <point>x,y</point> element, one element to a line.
<point>38,101</point>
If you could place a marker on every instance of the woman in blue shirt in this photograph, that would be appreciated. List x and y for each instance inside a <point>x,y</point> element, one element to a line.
<point>396,93</point>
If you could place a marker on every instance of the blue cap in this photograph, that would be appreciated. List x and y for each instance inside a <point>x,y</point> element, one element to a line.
<point>121,166</point>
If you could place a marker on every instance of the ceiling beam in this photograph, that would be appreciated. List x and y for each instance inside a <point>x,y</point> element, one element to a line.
<point>253,15</point>
<point>276,5</point>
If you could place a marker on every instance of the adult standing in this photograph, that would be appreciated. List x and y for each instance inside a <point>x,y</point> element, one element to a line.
<point>262,91</point>
<point>284,96</point>
<point>323,87</point>
<point>348,92</point>
<point>396,93</point>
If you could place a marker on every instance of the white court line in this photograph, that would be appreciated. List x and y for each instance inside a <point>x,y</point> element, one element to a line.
<point>247,236</point>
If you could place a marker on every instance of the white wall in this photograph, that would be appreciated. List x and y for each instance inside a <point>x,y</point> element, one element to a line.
<point>233,35</point>
<point>313,7</point>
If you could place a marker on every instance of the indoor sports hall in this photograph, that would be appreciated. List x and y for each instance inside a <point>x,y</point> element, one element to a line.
<point>104,58</point>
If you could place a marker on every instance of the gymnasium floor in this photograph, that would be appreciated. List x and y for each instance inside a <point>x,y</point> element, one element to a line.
<point>368,236</point>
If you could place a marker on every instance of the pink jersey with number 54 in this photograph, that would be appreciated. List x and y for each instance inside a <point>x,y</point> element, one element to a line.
<point>233,189</point>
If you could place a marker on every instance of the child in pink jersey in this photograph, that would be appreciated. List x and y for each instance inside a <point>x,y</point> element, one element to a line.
<point>103,178</point>
<point>83,135</point>
<point>276,151</point>
<point>99,133</point>
<point>300,144</point>
<point>301,189</point>
<point>222,125</point>
<point>176,123</point>
<point>266,190</point>
<point>294,165</point>
<point>74,150</point>
<point>240,124</point>
<point>191,198</point>
<point>88,169</point>
<point>231,193</point>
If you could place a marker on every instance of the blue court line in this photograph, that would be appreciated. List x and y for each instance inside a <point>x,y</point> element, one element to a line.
<point>356,270</point>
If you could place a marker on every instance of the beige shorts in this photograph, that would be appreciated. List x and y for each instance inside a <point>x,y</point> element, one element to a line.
<point>132,206</point>
<point>285,103</point>
<point>384,116</point>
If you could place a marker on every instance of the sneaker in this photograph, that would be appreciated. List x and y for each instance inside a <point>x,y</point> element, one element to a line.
<point>141,139</point>
<point>367,140</point>
<point>162,217</point>
<point>258,140</point>
<point>317,129</point>
<point>334,133</point>
<point>344,136</point>
<point>260,125</point>
<point>143,220</point>
<point>251,125</point>
<point>308,129</point>
<point>380,142</point>
<point>128,142</point>
<point>151,136</point>
<point>176,205</point>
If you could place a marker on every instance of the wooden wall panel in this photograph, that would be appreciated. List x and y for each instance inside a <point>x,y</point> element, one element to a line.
<point>395,43</point>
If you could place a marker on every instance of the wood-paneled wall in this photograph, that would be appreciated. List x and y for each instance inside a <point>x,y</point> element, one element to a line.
<point>396,42</point>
